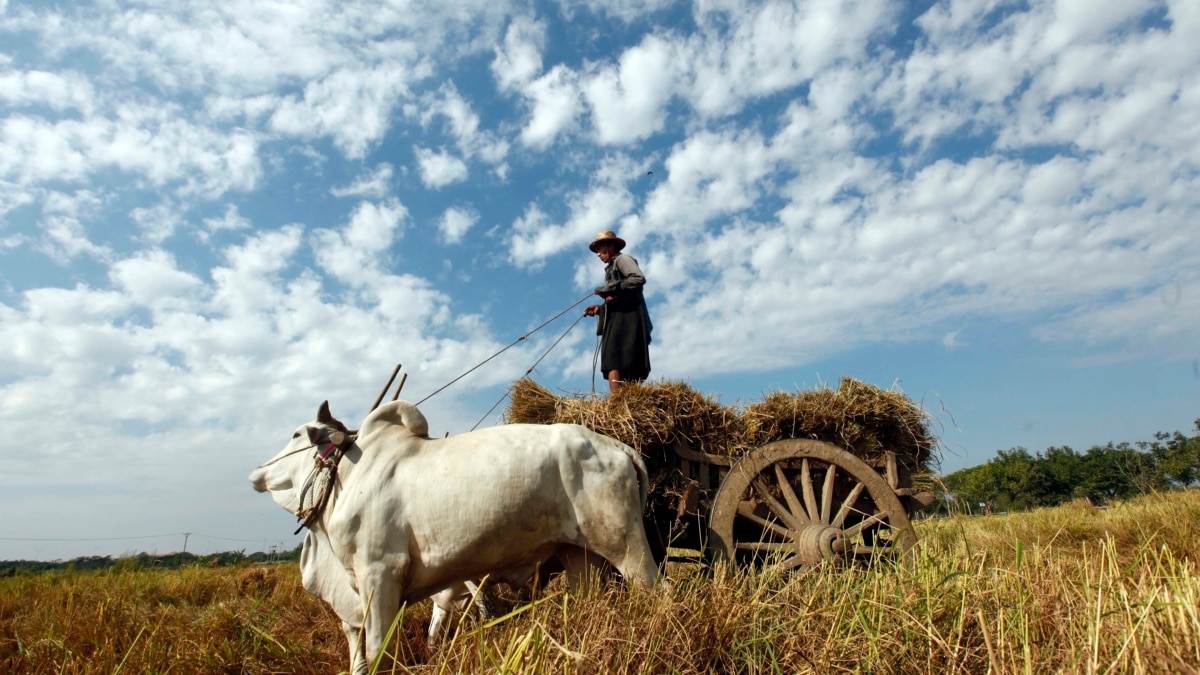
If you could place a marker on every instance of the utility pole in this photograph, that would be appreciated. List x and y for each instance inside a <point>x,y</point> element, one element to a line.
<point>185,538</point>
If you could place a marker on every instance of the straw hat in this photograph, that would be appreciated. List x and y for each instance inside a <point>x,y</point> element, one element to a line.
<point>607,235</point>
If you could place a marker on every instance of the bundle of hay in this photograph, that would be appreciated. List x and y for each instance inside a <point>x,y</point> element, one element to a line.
<point>860,417</point>
<point>649,417</point>
<point>857,416</point>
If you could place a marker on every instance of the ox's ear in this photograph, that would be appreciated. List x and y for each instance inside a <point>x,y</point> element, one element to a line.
<point>314,435</point>
<point>325,417</point>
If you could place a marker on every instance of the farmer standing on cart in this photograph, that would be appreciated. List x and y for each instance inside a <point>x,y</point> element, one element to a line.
<point>624,324</point>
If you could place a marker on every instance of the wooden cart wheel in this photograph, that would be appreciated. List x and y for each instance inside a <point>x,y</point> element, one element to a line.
<point>798,502</point>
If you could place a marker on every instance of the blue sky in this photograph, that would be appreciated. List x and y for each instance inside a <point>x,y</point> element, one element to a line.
<point>213,216</point>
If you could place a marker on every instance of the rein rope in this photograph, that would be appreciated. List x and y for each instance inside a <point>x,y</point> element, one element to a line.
<point>510,345</point>
<point>322,478</point>
<point>530,370</point>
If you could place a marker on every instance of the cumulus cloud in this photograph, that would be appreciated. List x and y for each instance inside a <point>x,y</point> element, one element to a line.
<point>354,252</point>
<point>519,60</point>
<point>625,10</point>
<point>63,227</point>
<point>376,184</point>
<point>150,142</point>
<point>60,91</point>
<point>554,99</point>
<point>464,126</point>
<point>628,100</point>
<point>456,222</point>
<point>709,175</point>
<point>590,211</point>
<point>157,222</point>
<point>822,177</point>
<point>743,53</point>
<point>439,168</point>
<point>351,105</point>
<point>152,279</point>
<point>229,220</point>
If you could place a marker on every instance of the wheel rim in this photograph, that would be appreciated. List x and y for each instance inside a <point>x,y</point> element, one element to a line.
<point>798,502</point>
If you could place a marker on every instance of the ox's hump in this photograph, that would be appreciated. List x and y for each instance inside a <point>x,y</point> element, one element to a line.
<point>395,413</point>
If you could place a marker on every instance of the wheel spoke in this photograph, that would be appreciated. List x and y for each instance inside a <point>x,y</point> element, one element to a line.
<point>765,546</point>
<point>847,505</point>
<point>768,508</point>
<point>863,551</point>
<point>827,494</point>
<point>785,486</point>
<point>855,529</point>
<point>746,511</point>
<point>806,484</point>
<point>791,563</point>
<point>779,509</point>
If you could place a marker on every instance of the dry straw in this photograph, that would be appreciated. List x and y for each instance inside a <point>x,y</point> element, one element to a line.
<point>862,418</point>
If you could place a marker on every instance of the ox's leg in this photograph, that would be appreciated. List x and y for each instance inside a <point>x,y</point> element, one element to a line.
<point>579,567</point>
<point>358,659</point>
<point>438,621</point>
<point>446,603</point>
<point>379,586</point>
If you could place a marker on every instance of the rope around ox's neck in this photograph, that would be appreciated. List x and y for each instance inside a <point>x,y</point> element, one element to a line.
<point>324,464</point>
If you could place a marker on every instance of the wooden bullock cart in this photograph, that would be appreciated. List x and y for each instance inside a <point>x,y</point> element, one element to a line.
<point>790,502</point>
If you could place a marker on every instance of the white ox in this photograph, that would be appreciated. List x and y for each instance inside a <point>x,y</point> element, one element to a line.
<point>411,515</point>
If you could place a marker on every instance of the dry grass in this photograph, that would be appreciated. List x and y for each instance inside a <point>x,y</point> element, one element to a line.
<point>1061,590</point>
<point>858,416</point>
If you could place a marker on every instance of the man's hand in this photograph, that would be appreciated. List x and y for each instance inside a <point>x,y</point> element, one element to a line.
<point>591,310</point>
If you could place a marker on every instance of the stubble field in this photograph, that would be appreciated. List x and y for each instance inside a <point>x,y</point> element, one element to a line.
<point>1072,589</point>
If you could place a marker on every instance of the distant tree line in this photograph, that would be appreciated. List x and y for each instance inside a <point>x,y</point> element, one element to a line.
<point>145,561</point>
<point>1017,479</point>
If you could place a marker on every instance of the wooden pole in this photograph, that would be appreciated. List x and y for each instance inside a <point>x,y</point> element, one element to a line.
<point>401,386</point>
<point>386,387</point>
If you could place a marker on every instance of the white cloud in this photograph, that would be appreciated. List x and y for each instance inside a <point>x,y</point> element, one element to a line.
<point>590,211</point>
<point>519,61</point>
<point>951,340</point>
<point>463,124</point>
<point>63,226</point>
<point>351,105</point>
<point>745,52</point>
<point>230,220</point>
<point>354,254</point>
<point>250,282</point>
<point>377,183</point>
<point>455,223</point>
<point>157,222</point>
<point>152,279</point>
<point>628,101</point>
<point>1079,20</point>
<point>527,244</point>
<point>439,168</point>
<point>625,10</point>
<point>555,102</point>
<point>58,91</point>
<point>151,142</point>
<point>709,175</point>
<point>782,223</point>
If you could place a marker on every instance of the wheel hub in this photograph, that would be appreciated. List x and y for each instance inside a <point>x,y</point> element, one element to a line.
<point>817,542</point>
